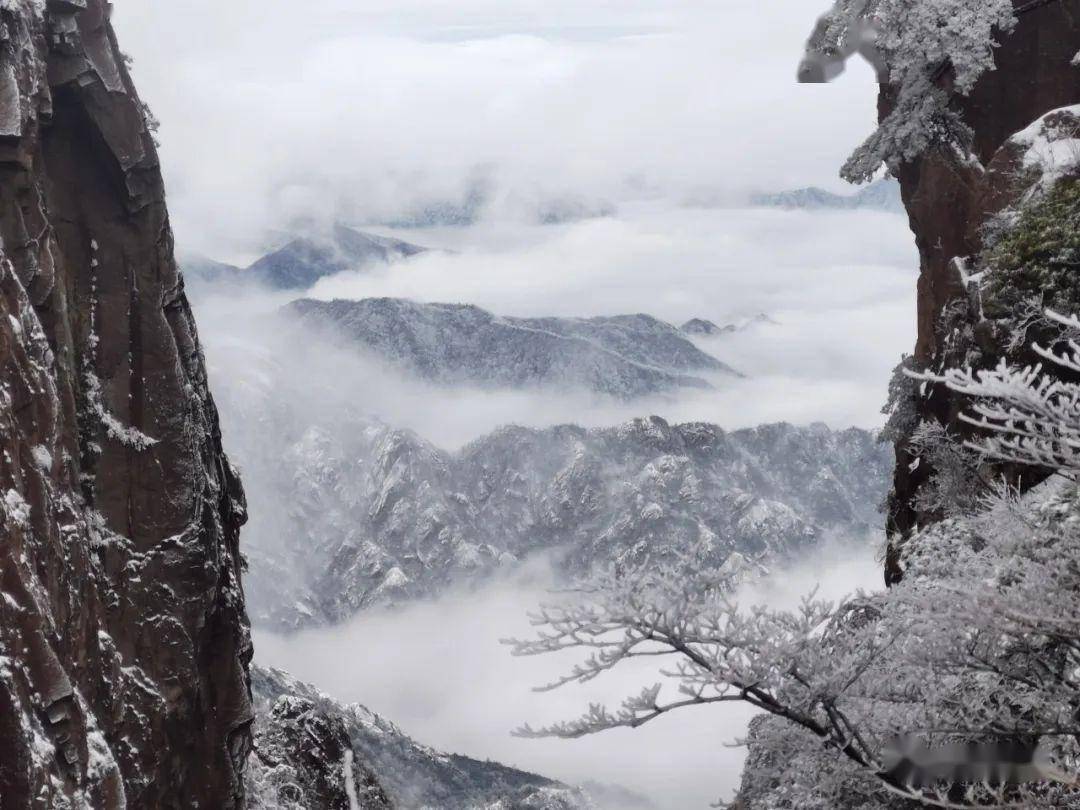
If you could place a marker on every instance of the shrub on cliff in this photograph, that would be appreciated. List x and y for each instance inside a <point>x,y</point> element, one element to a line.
<point>1035,265</point>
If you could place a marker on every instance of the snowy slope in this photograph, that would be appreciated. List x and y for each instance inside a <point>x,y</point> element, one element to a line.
<point>623,356</point>
<point>370,515</point>
<point>301,735</point>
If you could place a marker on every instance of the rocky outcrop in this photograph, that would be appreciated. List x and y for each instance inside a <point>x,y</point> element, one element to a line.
<point>951,198</point>
<point>304,758</point>
<point>123,637</point>
<point>311,751</point>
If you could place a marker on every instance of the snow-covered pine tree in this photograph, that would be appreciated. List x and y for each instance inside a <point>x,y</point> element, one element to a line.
<point>927,52</point>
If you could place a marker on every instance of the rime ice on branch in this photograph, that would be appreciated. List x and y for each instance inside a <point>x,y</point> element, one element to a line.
<point>980,640</point>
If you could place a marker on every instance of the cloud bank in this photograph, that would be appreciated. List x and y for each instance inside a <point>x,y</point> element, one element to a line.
<point>840,287</point>
<point>439,672</point>
<point>364,110</point>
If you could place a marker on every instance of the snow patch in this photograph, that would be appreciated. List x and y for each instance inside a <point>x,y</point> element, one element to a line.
<point>115,429</point>
<point>350,782</point>
<point>42,458</point>
<point>1051,144</point>
<point>16,508</point>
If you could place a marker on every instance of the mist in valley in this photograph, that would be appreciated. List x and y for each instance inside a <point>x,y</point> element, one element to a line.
<point>435,667</point>
<point>438,670</point>
<point>573,169</point>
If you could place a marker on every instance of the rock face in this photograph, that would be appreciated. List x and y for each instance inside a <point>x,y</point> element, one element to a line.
<point>309,749</point>
<point>370,516</point>
<point>951,198</point>
<point>303,754</point>
<point>624,356</point>
<point>123,635</point>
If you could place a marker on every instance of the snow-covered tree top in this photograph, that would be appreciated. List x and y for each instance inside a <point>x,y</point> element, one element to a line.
<point>914,44</point>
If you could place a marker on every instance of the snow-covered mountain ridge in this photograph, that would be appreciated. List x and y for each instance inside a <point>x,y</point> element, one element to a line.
<point>882,195</point>
<point>624,356</point>
<point>302,260</point>
<point>366,515</point>
<point>312,751</point>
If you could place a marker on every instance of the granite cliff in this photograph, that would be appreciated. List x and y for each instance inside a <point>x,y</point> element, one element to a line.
<point>124,643</point>
<point>1023,137</point>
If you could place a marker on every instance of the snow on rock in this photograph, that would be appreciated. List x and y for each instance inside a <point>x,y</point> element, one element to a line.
<point>623,356</point>
<point>42,457</point>
<point>16,509</point>
<point>314,752</point>
<point>11,116</point>
<point>1049,148</point>
<point>380,516</point>
<point>122,621</point>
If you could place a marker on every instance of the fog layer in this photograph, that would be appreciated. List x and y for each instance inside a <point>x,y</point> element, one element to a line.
<point>372,110</point>
<point>439,672</point>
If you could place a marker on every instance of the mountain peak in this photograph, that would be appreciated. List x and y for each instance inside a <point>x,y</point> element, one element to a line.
<point>881,195</point>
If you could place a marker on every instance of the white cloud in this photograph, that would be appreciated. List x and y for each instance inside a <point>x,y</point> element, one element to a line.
<point>359,109</point>
<point>840,286</point>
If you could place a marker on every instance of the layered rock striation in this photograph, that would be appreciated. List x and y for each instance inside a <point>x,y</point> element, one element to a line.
<point>123,637</point>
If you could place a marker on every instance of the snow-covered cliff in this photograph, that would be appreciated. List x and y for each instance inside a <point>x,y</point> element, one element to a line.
<point>123,636</point>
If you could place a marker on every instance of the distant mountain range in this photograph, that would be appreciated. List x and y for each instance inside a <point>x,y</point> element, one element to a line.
<point>700,327</point>
<point>304,260</point>
<point>624,356</point>
<point>358,514</point>
<point>348,512</point>
<point>881,195</point>
<point>313,752</point>
<point>483,194</point>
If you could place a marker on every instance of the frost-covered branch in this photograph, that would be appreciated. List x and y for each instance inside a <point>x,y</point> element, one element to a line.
<point>979,643</point>
<point>1030,416</point>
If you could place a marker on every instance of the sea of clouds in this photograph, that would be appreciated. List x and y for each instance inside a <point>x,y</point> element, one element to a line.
<point>659,116</point>
<point>274,111</point>
<point>439,671</point>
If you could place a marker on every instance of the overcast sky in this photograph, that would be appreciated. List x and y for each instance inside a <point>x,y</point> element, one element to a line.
<point>359,109</point>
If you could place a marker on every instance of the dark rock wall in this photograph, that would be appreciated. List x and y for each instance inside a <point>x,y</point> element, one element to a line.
<point>123,637</point>
<point>950,197</point>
